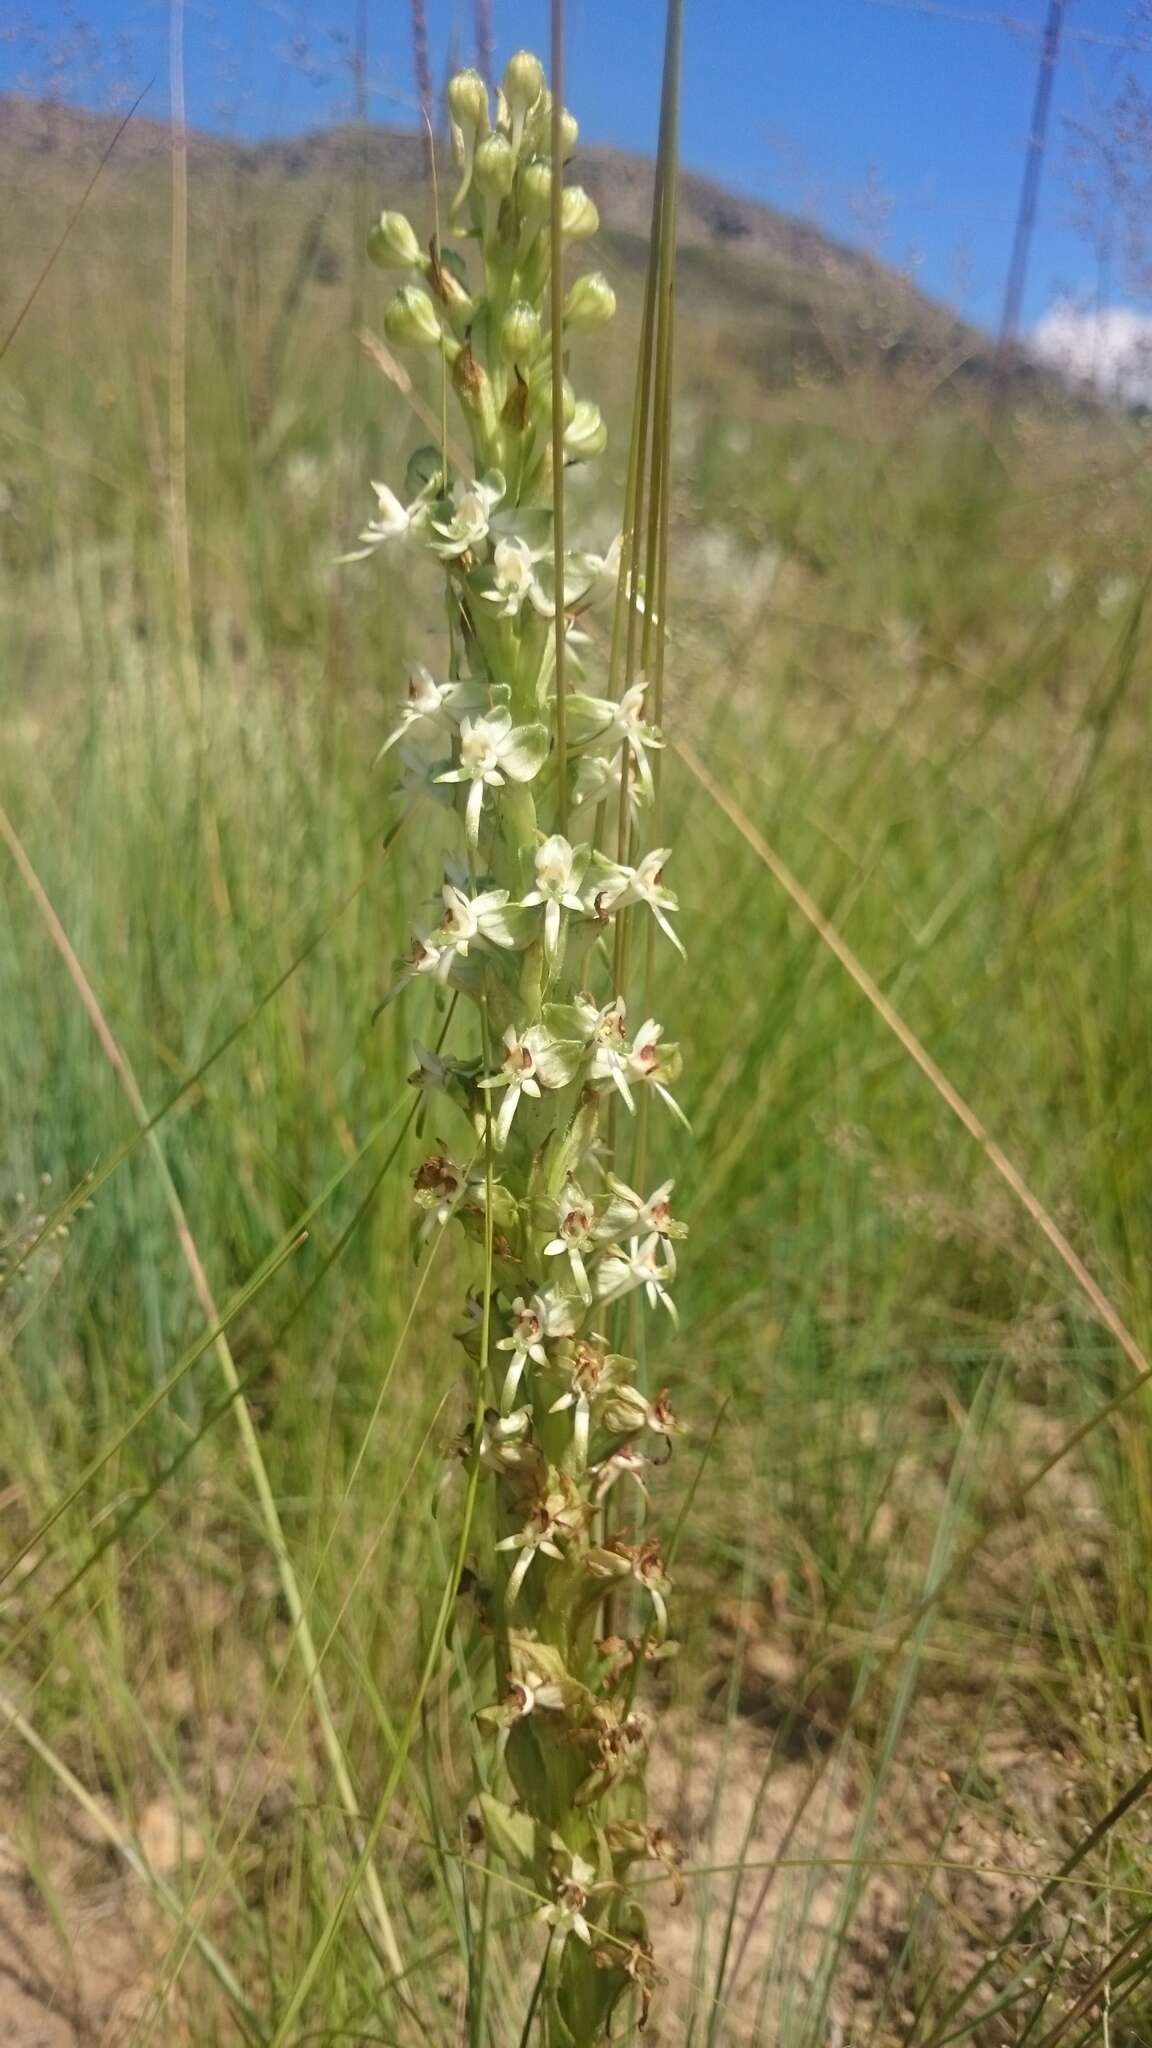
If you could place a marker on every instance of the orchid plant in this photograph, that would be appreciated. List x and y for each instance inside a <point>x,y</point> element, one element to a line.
<point>524,939</point>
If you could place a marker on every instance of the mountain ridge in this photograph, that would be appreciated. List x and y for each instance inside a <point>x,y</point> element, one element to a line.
<point>780,296</point>
<point>710,213</point>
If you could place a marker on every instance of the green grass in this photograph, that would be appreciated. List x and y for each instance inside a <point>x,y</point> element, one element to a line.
<point>867,652</point>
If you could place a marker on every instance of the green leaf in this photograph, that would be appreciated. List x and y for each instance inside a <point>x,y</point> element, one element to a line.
<point>558,1061</point>
<point>528,753</point>
<point>511,1835</point>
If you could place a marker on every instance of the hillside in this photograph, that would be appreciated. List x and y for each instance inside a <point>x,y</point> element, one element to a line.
<point>773,293</point>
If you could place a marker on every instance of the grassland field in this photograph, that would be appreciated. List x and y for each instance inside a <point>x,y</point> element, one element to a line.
<point>910,644</point>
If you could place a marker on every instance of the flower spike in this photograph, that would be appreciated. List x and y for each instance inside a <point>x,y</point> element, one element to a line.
<point>523,958</point>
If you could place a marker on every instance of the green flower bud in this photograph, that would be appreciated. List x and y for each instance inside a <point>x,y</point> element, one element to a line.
<point>540,394</point>
<point>494,166</point>
<point>586,434</point>
<point>578,215</point>
<point>536,189</point>
<point>468,101</point>
<point>520,332</point>
<point>591,302</point>
<point>537,126</point>
<point>411,320</point>
<point>523,80</point>
<point>538,130</point>
<point>392,243</point>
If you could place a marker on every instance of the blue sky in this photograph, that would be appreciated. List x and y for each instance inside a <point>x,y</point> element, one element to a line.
<point>898,124</point>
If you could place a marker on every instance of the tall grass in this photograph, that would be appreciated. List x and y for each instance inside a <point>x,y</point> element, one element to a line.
<point>913,662</point>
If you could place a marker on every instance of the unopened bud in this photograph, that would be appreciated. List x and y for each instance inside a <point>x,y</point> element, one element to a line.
<point>392,243</point>
<point>468,101</point>
<point>520,332</point>
<point>591,302</point>
<point>536,189</point>
<point>538,129</point>
<point>494,166</point>
<point>411,319</point>
<point>586,434</point>
<point>540,394</point>
<point>523,80</point>
<point>578,215</point>
<point>537,136</point>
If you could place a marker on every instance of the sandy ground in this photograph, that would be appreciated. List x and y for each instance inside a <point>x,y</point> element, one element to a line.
<point>984,1794</point>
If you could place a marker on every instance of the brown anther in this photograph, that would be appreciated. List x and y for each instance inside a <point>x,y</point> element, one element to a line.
<point>437,1175</point>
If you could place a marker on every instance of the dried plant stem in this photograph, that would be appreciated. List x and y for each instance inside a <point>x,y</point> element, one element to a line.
<point>178,348</point>
<point>556,301</point>
<point>423,74</point>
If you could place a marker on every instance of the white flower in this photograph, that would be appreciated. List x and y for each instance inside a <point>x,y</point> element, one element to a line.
<point>549,1520</point>
<point>525,1342</point>
<point>625,1463</point>
<point>634,731</point>
<point>602,572</point>
<point>505,1439</point>
<point>514,581</point>
<point>518,1075</point>
<point>428,706</point>
<point>422,957</point>
<point>606,1034</point>
<point>589,1368</point>
<point>467,526</point>
<point>640,1562</point>
<point>621,1272</point>
<point>630,1215</point>
<point>566,1913</point>
<point>624,1411</point>
<point>531,1062</point>
<point>432,1073</point>
<point>559,871</point>
<point>535,1694</point>
<point>439,1184</point>
<point>534,1324</point>
<point>619,886</point>
<point>598,779</point>
<point>491,750</point>
<point>587,577</point>
<point>392,522</point>
<point>621,725</point>
<point>423,705</point>
<point>649,1061</point>
<point>467,918</point>
<point>575,1221</point>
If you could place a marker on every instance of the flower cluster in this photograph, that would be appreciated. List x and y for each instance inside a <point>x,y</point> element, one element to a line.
<point>520,932</point>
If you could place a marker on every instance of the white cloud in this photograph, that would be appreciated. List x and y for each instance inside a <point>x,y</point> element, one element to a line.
<point>1109,347</point>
